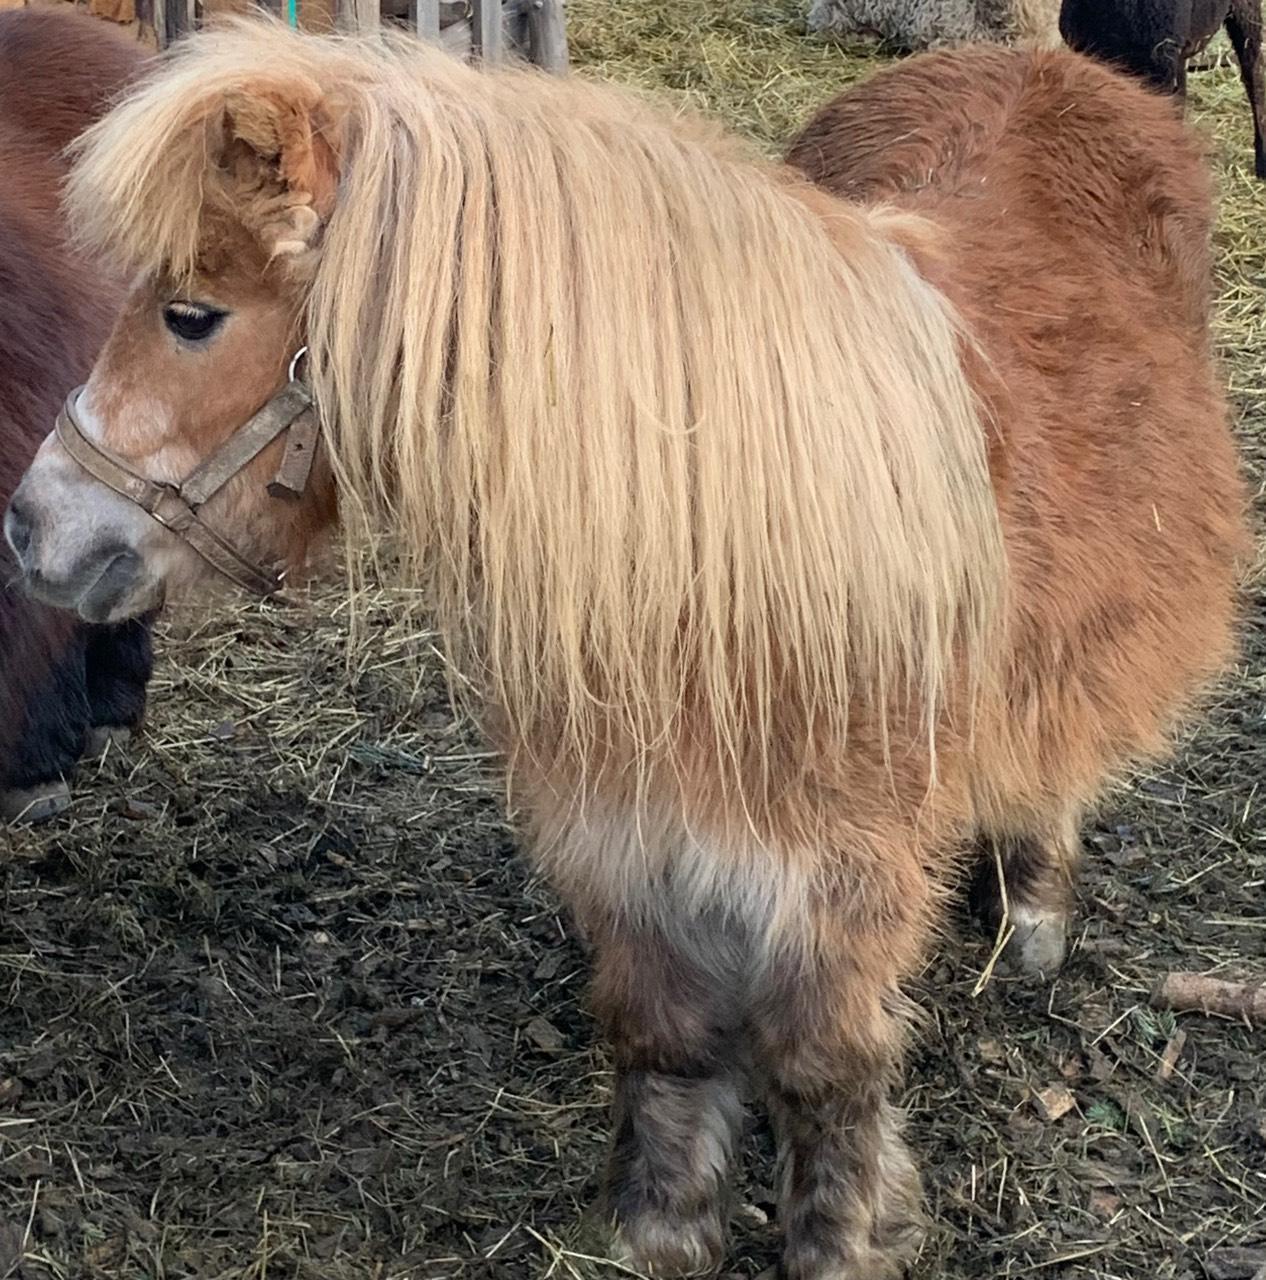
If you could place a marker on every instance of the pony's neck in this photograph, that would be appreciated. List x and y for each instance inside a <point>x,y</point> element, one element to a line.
<point>666,431</point>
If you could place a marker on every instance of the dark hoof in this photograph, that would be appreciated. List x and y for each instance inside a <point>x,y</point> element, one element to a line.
<point>103,738</point>
<point>35,804</point>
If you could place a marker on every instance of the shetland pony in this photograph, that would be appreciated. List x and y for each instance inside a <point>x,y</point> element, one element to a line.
<point>64,686</point>
<point>793,542</point>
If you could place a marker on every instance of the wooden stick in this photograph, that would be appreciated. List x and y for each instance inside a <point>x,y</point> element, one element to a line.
<point>1169,1059</point>
<point>1197,993</point>
<point>547,34</point>
<point>172,19</point>
<point>424,18</point>
<point>357,17</point>
<point>514,27</point>
<point>180,18</point>
<point>486,33</point>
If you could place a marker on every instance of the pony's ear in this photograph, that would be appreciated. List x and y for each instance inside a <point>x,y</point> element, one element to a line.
<point>278,151</point>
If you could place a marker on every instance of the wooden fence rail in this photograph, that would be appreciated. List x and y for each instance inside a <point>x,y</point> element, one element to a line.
<point>488,29</point>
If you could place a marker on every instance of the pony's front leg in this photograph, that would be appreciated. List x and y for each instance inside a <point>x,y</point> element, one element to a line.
<point>119,661</point>
<point>670,993</point>
<point>829,1032</point>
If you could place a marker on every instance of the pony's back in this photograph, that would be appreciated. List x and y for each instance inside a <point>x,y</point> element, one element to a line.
<point>1080,153</point>
<point>58,71</point>
<point>1069,216</point>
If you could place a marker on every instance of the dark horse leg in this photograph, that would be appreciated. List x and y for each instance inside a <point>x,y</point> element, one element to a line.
<point>1026,879</point>
<point>119,661</point>
<point>670,993</point>
<point>1244,26</point>
<point>69,687</point>
<point>46,708</point>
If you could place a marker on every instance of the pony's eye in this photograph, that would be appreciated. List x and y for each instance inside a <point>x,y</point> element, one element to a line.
<point>190,322</point>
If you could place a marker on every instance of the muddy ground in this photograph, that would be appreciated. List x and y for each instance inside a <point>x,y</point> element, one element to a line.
<point>279,999</point>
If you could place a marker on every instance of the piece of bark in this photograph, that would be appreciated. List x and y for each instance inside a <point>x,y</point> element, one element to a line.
<point>1169,1059</point>
<point>1054,1102</point>
<point>1197,993</point>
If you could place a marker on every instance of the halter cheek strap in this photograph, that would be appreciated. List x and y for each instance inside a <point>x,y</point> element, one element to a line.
<point>177,506</point>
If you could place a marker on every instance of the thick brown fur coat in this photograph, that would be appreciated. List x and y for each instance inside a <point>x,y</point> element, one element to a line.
<point>58,678</point>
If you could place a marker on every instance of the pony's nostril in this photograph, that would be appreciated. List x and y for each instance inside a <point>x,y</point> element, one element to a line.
<point>17,530</point>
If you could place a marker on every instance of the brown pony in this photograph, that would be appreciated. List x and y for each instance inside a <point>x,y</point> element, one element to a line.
<point>794,543</point>
<point>64,686</point>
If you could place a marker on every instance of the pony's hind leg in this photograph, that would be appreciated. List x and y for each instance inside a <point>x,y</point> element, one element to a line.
<point>829,1029</point>
<point>1024,883</point>
<point>670,993</point>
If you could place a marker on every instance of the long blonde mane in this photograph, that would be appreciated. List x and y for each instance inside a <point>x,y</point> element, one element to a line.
<point>676,458</point>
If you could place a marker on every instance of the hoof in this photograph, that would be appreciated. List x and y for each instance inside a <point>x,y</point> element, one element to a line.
<point>35,804</point>
<point>1039,944</point>
<point>886,1259</point>
<point>101,738</point>
<point>667,1246</point>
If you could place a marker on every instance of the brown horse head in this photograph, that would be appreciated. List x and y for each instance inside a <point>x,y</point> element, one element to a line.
<point>205,337</point>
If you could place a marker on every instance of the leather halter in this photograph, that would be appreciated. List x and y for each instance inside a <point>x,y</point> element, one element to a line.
<point>176,506</point>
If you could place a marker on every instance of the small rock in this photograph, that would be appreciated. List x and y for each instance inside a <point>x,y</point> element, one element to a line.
<point>1054,1102</point>
<point>1071,1069</point>
<point>991,1052</point>
<point>1101,1066</point>
<point>40,1065</point>
<point>51,1224</point>
<point>1235,1264</point>
<point>545,1035</point>
<point>1103,1204</point>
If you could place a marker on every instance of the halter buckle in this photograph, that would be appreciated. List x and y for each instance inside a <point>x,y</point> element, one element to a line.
<point>289,413</point>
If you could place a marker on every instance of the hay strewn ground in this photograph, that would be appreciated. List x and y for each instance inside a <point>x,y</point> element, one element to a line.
<point>278,1000</point>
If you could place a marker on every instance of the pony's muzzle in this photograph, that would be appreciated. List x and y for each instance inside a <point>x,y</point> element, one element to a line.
<point>97,585</point>
<point>17,532</point>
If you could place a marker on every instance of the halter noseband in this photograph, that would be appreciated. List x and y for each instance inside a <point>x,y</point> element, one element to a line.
<point>176,506</point>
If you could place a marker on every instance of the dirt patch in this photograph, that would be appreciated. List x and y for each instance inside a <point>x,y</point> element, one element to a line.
<point>279,999</point>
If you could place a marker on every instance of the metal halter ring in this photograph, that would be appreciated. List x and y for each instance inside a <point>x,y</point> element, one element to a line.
<point>288,414</point>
